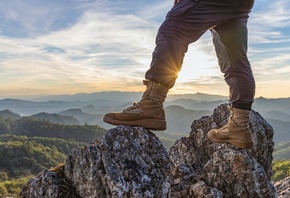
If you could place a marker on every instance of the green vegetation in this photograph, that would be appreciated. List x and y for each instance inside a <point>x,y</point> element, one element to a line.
<point>41,128</point>
<point>12,187</point>
<point>24,157</point>
<point>29,146</point>
<point>281,169</point>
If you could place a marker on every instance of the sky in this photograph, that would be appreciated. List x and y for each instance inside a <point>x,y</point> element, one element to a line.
<point>84,46</point>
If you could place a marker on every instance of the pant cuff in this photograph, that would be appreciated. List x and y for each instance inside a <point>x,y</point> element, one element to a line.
<point>245,106</point>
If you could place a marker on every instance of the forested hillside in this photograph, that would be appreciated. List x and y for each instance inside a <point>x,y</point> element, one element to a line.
<point>31,127</point>
<point>21,156</point>
<point>29,146</point>
<point>281,169</point>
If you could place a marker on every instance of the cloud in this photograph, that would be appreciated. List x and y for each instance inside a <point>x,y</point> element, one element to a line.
<point>275,15</point>
<point>268,25</point>
<point>100,46</point>
<point>94,45</point>
<point>31,18</point>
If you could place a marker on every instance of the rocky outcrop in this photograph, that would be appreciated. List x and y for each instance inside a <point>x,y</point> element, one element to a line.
<point>283,188</point>
<point>126,162</point>
<point>132,162</point>
<point>233,172</point>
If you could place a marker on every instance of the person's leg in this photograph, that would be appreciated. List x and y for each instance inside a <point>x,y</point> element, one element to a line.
<point>230,41</point>
<point>175,34</point>
<point>184,24</point>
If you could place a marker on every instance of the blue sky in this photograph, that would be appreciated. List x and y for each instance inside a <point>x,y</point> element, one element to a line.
<point>73,46</point>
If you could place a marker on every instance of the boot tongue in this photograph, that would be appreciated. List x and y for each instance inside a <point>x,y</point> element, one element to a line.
<point>149,85</point>
<point>155,92</point>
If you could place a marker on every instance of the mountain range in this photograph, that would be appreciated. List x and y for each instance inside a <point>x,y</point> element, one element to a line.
<point>181,110</point>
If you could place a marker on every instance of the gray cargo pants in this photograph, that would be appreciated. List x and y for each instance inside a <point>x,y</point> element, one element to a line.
<point>186,22</point>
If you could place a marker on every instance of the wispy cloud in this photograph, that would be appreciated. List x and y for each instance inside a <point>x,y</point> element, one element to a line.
<point>88,45</point>
<point>99,46</point>
<point>268,25</point>
<point>275,14</point>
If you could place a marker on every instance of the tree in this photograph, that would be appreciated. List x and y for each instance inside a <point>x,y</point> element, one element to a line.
<point>281,169</point>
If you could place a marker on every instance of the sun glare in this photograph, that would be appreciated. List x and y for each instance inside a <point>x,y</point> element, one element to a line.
<point>195,65</point>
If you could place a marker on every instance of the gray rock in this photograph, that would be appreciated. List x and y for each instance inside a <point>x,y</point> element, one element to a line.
<point>283,188</point>
<point>126,162</point>
<point>44,185</point>
<point>131,162</point>
<point>234,172</point>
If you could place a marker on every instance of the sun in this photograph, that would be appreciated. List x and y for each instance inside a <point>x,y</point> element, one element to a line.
<point>195,65</point>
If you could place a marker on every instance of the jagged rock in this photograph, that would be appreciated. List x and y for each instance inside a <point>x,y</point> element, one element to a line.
<point>200,189</point>
<point>46,184</point>
<point>126,162</point>
<point>132,162</point>
<point>283,188</point>
<point>234,172</point>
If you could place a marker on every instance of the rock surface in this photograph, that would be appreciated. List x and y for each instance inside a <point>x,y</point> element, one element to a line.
<point>126,162</point>
<point>234,172</point>
<point>283,188</point>
<point>132,162</point>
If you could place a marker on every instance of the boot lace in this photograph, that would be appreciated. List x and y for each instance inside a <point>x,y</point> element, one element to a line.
<point>134,106</point>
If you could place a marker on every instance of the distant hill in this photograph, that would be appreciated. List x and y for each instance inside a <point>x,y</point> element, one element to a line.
<point>9,114</point>
<point>197,96</point>
<point>32,127</point>
<point>27,108</point>
<point>81,116</point>
<point>195,104</point>
<point>56,118</point>
<point>87,97</point>
<point>124,96</point>
<point>179,119</point>
<point>277,115</point>
<point>90,109</point>
<point>181,110</point>
<point>263,105</point>
<point>281,130</point>
<point>103,102</point>
<point>282,151</point>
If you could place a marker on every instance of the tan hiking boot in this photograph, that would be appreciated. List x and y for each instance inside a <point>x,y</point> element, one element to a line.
<point>236,131</point>
<point>148,113</point>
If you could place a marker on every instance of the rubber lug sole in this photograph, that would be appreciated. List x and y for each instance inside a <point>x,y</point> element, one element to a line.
<point>152,124</point>
<point>236,143</point>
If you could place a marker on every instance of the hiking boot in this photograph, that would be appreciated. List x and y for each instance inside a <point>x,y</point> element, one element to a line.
<point>148,112</point>
<point>236,131</point>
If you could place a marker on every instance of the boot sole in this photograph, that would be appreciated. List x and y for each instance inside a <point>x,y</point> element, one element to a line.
<point>236,143</point>
<point>153,124</point>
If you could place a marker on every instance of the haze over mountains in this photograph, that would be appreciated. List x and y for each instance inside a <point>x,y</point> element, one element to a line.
<point>181,110</point>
